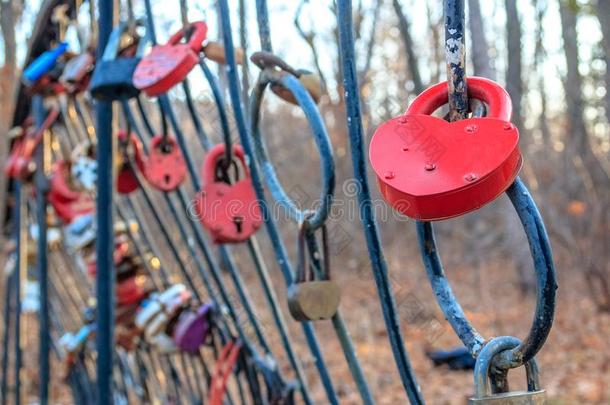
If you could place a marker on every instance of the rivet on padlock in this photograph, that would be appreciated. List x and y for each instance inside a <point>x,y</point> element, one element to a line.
<point>310,299</point>
<point>311,81</point>
<point>169,64</point>
<point>227,208</point>
<point>483,395</point>
<point>165,168</point>
<point>112,78</point>
<point>440,169</point>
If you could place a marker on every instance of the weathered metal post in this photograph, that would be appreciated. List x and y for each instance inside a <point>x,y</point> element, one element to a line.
<point>105,272</point>
<point>455,51</point>
<point>42,186</point>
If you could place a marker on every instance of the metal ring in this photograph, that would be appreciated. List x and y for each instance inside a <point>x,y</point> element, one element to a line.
<point>545,277</point>
<point>327,165</point>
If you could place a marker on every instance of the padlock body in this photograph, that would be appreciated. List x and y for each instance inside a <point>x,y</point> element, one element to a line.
<point>219,205</point>
<point>164,170</point>
<point>163,68</point>
<point>314,300</point>
<point>113,79</point>
<point>512,398</point>
<point>430,169</point>
<point>309,80</point>
<point>192,329</point>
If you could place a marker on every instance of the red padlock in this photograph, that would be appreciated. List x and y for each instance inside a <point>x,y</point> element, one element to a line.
<point>131,290</point>
<point>67,202</point>
<point>230,212</point>
<point>21,164</point>
<point>430,169</point>
<point>127,181</point>
<point>167,65</point>
<point>165,166</point>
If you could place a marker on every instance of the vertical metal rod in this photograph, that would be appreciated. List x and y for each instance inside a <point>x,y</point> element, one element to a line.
<point>379,265</point>
<point>20,269</point>
<point>42,187</point>
<point>455,52</point>
<point>8,299</point>
<point>105,271</point>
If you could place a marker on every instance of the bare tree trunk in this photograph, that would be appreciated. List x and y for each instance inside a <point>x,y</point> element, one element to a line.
<point>603,14</point>
<point>480,50</point>
<point>538,61</point>
<point>580,142</point>
<point>8,19</point>
<point>514,85</point>
<point>437,46</point>
<point>405,32</point>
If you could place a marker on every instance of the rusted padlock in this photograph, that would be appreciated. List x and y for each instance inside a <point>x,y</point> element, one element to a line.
<point>310,299</point>
<point>216,51</point>
<point>165,167</point>
<point>130,152</point>
<point>229,210</point>
<point>430,169</point>
<point>309,80</point>
<point>169,64</point>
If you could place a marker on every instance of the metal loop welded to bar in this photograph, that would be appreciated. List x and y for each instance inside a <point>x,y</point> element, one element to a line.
<point>367,215</point>
<point>327,166</point>
<point>545,278</point>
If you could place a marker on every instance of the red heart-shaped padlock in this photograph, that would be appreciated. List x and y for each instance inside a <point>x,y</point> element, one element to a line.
<point>169,64</point>
<point>230,212</point>
<point>131,149</point>
<point>67,202</point>
<point>430,169</point>
<point>165,166</point>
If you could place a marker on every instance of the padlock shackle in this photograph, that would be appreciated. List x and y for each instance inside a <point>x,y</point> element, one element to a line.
<point>485,361</point>
<point>199,33</point>
<point>212,159</point>
<point>495,96</point>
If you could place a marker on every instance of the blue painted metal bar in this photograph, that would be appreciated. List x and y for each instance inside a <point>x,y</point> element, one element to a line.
<point>545,277</point>
<point>367,215</point>
<point>42,187</point>
<point>105,277</point>
<point>21,223</point>
<point>272,230</point>
<point>7,315</point>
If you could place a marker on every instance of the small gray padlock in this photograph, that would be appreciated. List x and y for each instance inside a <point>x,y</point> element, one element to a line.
<point>533,396</point>
<point>310,299</point>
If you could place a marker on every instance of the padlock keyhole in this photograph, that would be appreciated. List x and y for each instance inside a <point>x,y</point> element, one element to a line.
<point>238,221</point>
<point>167,178</point>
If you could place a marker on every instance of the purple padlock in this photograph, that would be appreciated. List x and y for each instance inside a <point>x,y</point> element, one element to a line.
<point>192,328</point>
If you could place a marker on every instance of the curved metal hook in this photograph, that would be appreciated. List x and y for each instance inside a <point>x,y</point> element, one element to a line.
<point>545,277</point>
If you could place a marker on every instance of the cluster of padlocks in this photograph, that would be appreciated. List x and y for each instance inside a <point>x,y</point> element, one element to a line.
<point>427,168</point>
